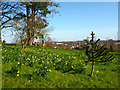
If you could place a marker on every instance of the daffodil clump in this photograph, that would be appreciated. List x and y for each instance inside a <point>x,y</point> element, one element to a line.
<point>36,62</point>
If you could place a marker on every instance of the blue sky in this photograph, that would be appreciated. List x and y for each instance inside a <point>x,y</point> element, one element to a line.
<point>78,19</point>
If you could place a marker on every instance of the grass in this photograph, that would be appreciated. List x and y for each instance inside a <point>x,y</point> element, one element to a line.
<point>105,74</point>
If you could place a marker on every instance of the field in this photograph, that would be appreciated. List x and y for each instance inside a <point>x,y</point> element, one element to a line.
<point>37,67</point>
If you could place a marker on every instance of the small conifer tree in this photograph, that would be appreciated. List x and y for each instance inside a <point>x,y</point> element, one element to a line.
<point>95,52</point>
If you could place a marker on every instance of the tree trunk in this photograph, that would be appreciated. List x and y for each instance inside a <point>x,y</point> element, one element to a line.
<point>0,36</point>
<point>93,63</point>
<point>28,30</point>
<point>32,33</point>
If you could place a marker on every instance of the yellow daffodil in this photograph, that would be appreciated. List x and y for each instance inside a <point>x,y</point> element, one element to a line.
<point>72,66</point>
<point>28,58</point>
<point>2,57</point>
<point>74,57</point>
<point>49,70</point>
<point>18,62</point>
<point>18,71</point>
<point>17,74</point>
<point>22,64</point>
<point>97,71</point>
<point>45,67</point>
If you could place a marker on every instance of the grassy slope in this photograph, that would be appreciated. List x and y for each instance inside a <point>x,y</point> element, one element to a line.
<point>107,77</point>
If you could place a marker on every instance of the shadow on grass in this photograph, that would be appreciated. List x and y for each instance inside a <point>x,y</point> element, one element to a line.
<point>74,72</point>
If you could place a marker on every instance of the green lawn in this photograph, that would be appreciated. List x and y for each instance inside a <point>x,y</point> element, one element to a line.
<point>38,67</point>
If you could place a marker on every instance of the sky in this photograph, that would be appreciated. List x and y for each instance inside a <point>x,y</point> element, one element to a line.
<point>76,20</point>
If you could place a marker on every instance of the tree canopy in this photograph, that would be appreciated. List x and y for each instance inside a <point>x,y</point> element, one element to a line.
<point>32,14</point>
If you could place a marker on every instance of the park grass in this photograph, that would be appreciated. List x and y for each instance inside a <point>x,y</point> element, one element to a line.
<point>105,75</point>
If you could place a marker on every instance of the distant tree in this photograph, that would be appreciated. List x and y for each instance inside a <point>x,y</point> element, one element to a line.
<point>111,48</point>
<point>96,53</point>
<point>49,42</point>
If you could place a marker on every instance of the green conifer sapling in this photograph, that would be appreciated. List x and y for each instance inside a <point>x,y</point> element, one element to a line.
<point>96,53</point>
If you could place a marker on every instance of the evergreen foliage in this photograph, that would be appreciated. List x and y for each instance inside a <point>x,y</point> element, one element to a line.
<point>96,52</point>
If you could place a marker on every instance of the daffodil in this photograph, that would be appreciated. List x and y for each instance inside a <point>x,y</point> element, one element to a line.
<point>49,70</point>
<point>18,62</point>
<point>18,71</point>
<point>22,64</point>
<point>17,74</point>
<point>28,58</point>
<point>2,57</point>
<point>74,57</point>
<point>97,71</point>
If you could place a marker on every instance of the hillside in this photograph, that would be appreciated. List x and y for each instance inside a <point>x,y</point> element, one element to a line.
<point>38,67</point>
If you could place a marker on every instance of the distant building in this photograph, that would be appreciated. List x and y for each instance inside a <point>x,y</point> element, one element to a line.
<point>109,43</point>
